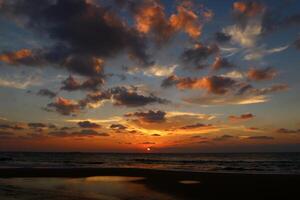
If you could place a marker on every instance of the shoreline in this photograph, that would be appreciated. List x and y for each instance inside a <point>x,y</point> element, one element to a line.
<point>73,172</point>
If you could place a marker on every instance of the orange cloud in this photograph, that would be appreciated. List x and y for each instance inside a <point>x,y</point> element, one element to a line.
<point>15,57</point>
<point>213,84</point>
<point>242,117</point>
<point>249,9</point>
<point>64,106</point>
<point>186,20</point>
<point>150,17</point>
<point>262,74</point>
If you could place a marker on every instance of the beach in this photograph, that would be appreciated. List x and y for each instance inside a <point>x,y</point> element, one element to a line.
<point>125,183</point>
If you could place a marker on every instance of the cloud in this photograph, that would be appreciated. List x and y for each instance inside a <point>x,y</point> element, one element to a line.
<point>121,96</point>
<point>21,56</point>
<point>240,94</point>
<point>260,137</point>
<point>196,126</point>
<point>222,37</point>
<point>82,33</point>
<point>259,52</point>
<point>273,88</point>
<point>154,70</point>
<point>85,65</point>
<point>233,75</point>
<point>189,115</point>
<point>227,100</point>
<point>297,43</point>
<point>150,18</point>
<point>10,126</point>
<point>91,84</point>
<point>37,125</point>
<point>148,117</point>
<point>221,63</point>
<point>118,127</point>
<point>82,133</point>
<point>46,93</point>
<point>156,135</point>
<point>223,138</point>
<point>160,71</point>
<point>213,84</point>
<point>248,8</point>
<point>262,74</point>
<point>88,124</point>
<point>198,54</point>
<point>245,37</point>
<point>285,130</point>
<point>242,117</point>
<point>20,82</point>
<point>148,143</point>
<point>64,106</point>
<point>276,19</point>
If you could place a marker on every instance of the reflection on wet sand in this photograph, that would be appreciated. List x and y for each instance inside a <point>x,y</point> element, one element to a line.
<point>188,182</point>
<point>98,187</point>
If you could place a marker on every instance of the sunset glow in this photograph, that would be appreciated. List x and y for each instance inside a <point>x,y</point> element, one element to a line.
<point>149,76</point>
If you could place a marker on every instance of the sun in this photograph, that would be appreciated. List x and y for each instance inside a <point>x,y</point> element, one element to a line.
<point>148,149</point>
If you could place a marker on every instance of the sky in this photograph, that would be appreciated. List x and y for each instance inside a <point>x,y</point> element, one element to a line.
<point>149,75</point>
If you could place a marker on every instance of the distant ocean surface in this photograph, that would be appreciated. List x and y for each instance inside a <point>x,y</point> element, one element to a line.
<point>270,163</point>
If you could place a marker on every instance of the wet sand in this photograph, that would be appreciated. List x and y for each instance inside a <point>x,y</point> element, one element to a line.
<point>91,183</point>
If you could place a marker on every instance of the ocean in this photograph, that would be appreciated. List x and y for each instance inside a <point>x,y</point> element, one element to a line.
<point>253,163</point>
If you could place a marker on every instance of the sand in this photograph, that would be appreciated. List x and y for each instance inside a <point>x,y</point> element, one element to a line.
<point>124,183</point>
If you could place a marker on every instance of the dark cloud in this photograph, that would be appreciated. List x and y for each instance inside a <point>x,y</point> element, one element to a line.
<point>122,96</point>
<point>260,137</point>
<point>148,143</point>
<point>213,84</point>
<point>118,127</point>
<point>81,133</point>
<point>10,126</point>
<point>285,130</point>
<point>221,37</point>
<point>85,65</point>
<point>125,97</point>
<point>297,43</point>
<point>93,83</point>
<point>197,125</point>
<point>242,117</point>
<point>46,93</point>
<point>70,84</point>
<point>244,12</point>
<point>262,74</point>
<point>64,106</point>
<point>37,125</point>
<point>198,54</point>
<point>156,135</point>
<point>119,96</point>
<point>224,137</point>
<point>221,63</point>
<point>149,117</point>
<point>170,81</point>
<point>82,33</point>
<point>88,124</point>
<point>275,20</point>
